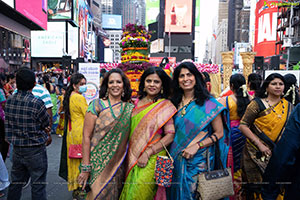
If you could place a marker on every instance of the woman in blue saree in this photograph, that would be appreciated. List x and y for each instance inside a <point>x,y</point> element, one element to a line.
<point>199,123</point>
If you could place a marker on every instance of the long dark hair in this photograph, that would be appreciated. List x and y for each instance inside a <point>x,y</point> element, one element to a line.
<point>200,92</point>
<point>126,85</point>
<point>254,81</point>
<point>271,77</point>
<point>75,79</point>
<point>166,83</point>
<point>236,82</point>
<point>46,81</point>
<point>2,78</point>
<point>291,90</point>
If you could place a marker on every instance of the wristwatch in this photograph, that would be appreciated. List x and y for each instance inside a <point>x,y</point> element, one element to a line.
<point>201,145</point>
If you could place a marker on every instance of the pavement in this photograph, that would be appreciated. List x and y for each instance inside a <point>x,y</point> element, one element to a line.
<point>57,187</point>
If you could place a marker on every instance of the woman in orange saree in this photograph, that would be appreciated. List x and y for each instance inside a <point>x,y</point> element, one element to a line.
<point>151,127</point>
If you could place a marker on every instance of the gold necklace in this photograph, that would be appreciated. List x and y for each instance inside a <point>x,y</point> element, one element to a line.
<point>183,110</point>
<point>272,108</point>
<point>146,99</point>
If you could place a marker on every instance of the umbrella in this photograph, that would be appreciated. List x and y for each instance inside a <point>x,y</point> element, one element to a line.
<point>58,70</point>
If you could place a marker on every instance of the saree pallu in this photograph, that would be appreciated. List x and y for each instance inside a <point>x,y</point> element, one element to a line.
<point>268,126</point>
<point>108,150</point>
<point>197,119</point>
<point>146,122</point>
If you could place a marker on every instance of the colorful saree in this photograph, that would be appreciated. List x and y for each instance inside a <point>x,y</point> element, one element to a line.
<point>108,149</point>
<point>197,119</point>
<point>146,122</point>
<point>268,125</point>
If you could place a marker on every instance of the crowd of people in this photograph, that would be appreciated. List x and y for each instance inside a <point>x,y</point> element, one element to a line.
<point>117,139</point>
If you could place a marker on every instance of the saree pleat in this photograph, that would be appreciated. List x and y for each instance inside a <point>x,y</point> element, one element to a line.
<point>108,150</point>
<point>146,121</point>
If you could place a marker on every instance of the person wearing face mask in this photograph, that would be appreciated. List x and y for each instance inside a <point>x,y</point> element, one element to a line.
<point>105,138</point>
<point>75,107</point>
<point>152,127</point>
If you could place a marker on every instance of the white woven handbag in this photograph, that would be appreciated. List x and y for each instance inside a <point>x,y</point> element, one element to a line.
<point>216,184</point>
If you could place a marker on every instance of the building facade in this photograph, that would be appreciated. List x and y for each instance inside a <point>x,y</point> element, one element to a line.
<point>115,38</point>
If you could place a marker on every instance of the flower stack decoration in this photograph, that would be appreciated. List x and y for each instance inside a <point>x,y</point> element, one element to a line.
<point>135,46</point>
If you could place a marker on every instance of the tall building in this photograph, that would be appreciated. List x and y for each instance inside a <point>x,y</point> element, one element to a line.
<point>223,10</point>
<point>95,6</point>
<point>115,38</point>
<point>221,40</point>
<point>134,11</point>
<point>107,6</point>
<point>221,31</point>
<point>242,35</point>
<point>234,6</point>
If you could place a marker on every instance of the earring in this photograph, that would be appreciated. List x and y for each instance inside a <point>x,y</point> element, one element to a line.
<point>106,95</point>
<point>266,93</point>
<point>162,91</point>
<point>123,94</point>
<point>144,90</point>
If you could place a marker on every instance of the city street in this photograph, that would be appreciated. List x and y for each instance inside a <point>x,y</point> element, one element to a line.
<point>57,187</point>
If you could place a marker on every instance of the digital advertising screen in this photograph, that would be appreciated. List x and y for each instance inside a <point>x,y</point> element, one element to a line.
<point>178,16</point>
<point>111,21</point>
<point>33,11</point>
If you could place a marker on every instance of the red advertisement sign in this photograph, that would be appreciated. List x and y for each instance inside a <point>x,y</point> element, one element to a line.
<point>265,27</point>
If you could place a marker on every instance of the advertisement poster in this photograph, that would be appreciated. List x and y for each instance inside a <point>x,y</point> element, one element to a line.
<point>111,21</point>
<point>265,28</point>
<point>60,9</point>
<point>72,41</point>
<point>178,16</point>
<point>152,11</point>
<point>91,72</point>
<point>53,40</point>
<point>84,20</point>
<point>33,11</point>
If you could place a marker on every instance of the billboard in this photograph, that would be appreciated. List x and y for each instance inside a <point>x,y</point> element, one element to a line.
<point>152,11</point>
<point>49,43</point>
<point>111,21</point>
<point>197,21</point>
<point>60,9</point>
<point>33,11</point>
<point>178,16</point>
<point>91,72</point>
<point>11,3</point>
<point>84,23</point>
<point>72,41</point>
<point>265,27</point>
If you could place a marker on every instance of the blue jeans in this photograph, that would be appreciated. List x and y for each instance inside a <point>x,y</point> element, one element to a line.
<point>32,161</point>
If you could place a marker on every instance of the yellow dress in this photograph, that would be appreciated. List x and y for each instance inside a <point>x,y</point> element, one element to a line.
<point>78,107</point>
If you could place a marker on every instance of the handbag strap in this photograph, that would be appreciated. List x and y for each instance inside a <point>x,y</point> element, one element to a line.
<point>70,130</point>
<point>217,156</point>
<point>167,151</point>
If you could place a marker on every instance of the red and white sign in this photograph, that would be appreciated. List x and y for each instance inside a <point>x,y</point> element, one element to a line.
<point>265,27</point>
<point>106,42</point>
<point>157,60</point>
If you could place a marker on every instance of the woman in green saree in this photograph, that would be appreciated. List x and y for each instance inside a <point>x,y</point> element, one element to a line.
<point>151,127</point>
<point>105,138</point>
